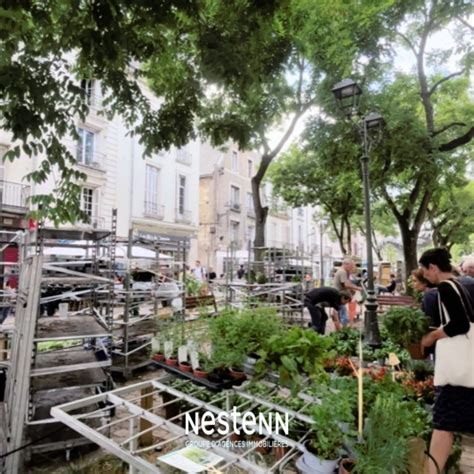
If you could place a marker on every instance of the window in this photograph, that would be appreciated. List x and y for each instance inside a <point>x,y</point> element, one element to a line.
<point>234,161</point>
<point>249,201</point>
<point>181,194</point>
<point>250,233</point>
<point>234,197</point>
<point>300,212</point>
<point>300,235</point>
<point>152,176</point>
<point>250,168</point>
<point>87,85</point>
<point>85,147</point>
<point>234,231</point>
<point>88,203</point>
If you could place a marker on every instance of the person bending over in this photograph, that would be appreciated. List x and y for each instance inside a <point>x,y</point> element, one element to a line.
<point>318,299</point>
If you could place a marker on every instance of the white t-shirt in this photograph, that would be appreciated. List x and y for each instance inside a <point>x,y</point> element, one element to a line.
<point>199,273</point>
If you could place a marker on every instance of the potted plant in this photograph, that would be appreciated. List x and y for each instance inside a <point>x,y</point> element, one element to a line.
<point>203,370</point>
<point>387,430</point>
<point>185,366</point>
<point>406,326</point>
<point>235,334</point>
<point>293,353</point>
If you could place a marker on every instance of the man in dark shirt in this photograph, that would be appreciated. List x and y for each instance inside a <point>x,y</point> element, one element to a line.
<point>319,298</point>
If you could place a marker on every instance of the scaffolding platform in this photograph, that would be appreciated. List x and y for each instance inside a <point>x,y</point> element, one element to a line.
<point>72,327</point>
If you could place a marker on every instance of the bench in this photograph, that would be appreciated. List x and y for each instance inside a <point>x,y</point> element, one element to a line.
<point>193,302</point>
<point>393,300</point>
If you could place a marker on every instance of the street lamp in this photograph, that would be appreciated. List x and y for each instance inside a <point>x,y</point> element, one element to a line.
<point>322,225</point>
<point>347,93</point>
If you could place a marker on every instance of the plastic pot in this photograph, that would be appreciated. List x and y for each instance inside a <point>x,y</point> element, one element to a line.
<point>346,466</point>
<point>173,361</point>
<point>236,374</point>
<point>200,373</point>
<point>312,463</point>
<point>159,357</point>
<point>415,350</point>
<point>185,367</point>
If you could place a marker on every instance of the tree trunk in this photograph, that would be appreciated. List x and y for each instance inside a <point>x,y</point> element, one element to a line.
<point>340,237</point>
<point>409,239</point>
<point>261,214</point>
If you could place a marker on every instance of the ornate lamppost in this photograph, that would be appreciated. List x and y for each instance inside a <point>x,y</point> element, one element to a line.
<point>347,94</point>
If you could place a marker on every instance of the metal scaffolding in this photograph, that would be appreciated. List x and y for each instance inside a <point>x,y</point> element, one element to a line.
<point>151,416</point>
<point>58,358</point>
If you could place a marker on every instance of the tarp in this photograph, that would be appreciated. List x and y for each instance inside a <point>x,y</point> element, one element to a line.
<point>65,251</point>
<point>139,252</point>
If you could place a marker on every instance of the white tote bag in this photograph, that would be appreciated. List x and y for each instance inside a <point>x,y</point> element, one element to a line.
<point>455,355</point>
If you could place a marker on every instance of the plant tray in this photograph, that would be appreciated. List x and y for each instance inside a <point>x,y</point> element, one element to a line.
<point>214,386</point>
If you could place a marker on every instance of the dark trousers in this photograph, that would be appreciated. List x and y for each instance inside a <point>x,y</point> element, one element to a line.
<point>318,317</point>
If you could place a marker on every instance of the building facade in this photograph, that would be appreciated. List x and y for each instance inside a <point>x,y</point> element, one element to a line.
<point>154,196</point>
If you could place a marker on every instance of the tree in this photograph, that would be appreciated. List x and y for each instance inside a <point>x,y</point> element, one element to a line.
<point>47,47</point>
<point>429,119</point>
<point>452,217</point>
<point>325,40</point>
<point>324,172</point>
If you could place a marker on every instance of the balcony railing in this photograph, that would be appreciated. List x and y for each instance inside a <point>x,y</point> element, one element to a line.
<point>156,211</point>
<point>94,223</point>
<point>92,160</point>
<point>14,195</point>
<point>235,206</point>
<point>184,157</point>
<point>251,212</point>
<point>183,217</point>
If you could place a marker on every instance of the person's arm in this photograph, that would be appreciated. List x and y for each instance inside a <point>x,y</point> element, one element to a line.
<point>459,320</point>
<point>348,285</point>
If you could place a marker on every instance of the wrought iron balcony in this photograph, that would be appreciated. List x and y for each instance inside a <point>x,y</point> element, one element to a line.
<point>156,211</point>
<point>183,216</point>
<point>235,206</point>
<point>14,196</point>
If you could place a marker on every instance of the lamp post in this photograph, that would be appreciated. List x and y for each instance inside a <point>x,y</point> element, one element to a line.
<point>347,93</point>
<point>322,224</point>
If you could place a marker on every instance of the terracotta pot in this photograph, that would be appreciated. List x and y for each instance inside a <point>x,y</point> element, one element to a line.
<point>173,361</point>
<point>346,466</point>
<point>201,374</point>
<point>415,351</point>
<point>280,452</point>
<point>260,449</point>
<point>185,367</point>
<point>236,374</point>
<point>159,357</point>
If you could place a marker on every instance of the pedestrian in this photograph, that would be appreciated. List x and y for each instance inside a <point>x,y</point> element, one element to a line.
<point>212,275</point>
<point>8,300</point>
<point>454,403</point>
<point>342,281</point>
<point>318,299</point>
<point>429,298</point>
<point>467,266</point>
<point>240,272</point>
<point>391,287</point>
<point>199,272</point>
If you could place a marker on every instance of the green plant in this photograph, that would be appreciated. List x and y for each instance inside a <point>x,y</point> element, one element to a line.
<point>235,334</point>
<point>261,279</point>
<point>293,353</point>
<point>422,369</point>
<point>193,286</point>
<point>329,417</point>
<point>384,449</point>
<point>345,342</point>
<point>405,325</point>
